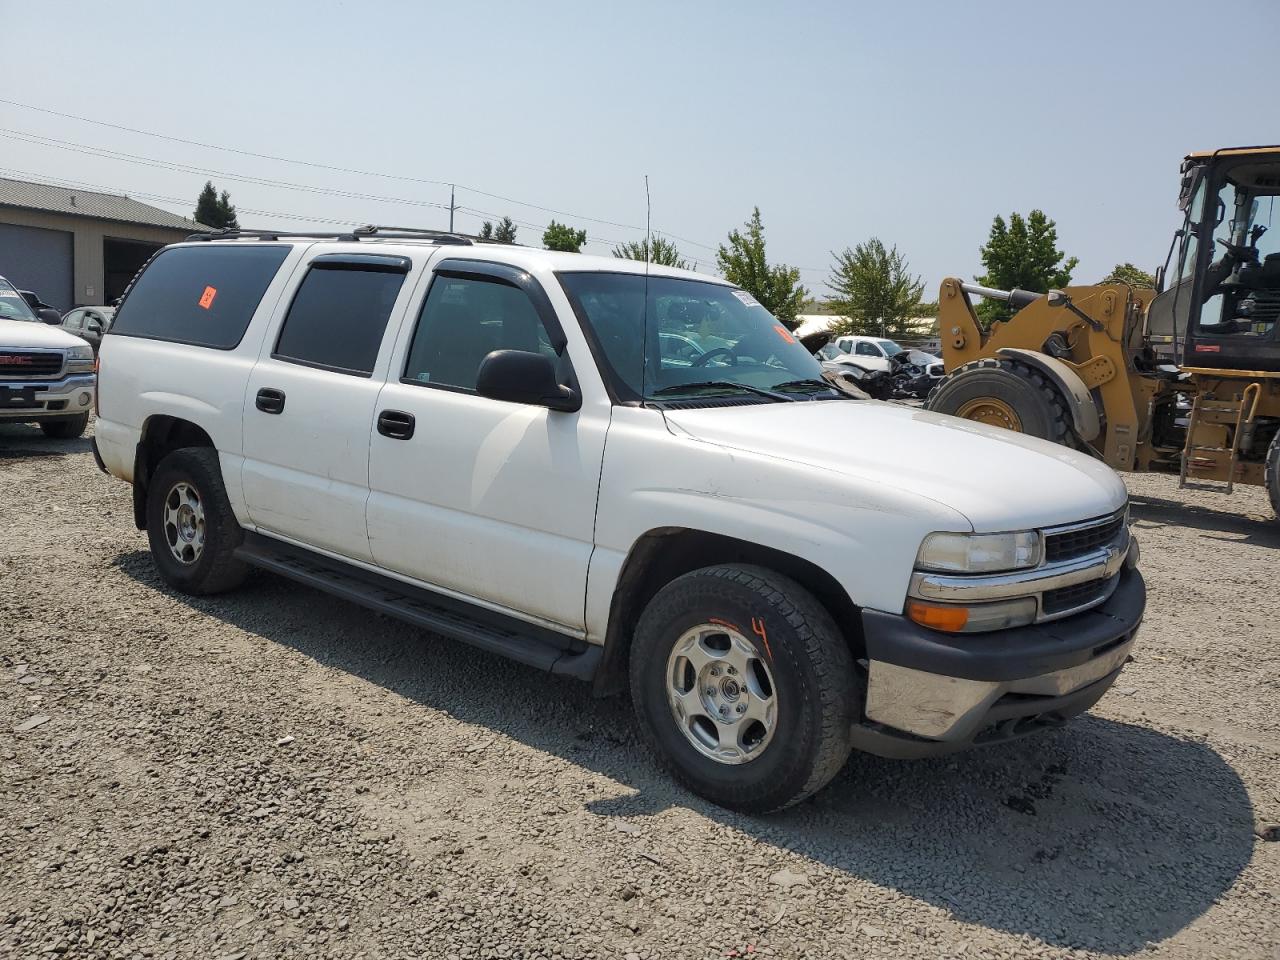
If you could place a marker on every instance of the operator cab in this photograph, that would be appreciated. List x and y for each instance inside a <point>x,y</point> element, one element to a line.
<point>1226,296</point>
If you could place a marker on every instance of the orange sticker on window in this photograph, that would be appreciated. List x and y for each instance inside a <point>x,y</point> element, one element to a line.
<point>206,298</point>
<point>784,333</point>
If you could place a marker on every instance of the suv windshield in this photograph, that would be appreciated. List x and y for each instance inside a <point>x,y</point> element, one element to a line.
<point>694,339</point>
<point>12,306</point>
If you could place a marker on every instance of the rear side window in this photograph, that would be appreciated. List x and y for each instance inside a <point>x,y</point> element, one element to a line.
<point>204,296</point>
<point>340,312</point>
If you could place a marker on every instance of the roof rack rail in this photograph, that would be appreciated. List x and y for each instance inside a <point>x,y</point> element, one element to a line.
<point>369,231</point>
<point>442,236</point>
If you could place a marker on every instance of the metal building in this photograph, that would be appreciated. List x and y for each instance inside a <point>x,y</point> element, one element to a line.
<point>74,247</point>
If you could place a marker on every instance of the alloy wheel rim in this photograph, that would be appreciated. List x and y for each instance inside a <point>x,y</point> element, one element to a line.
<point>184,524</point>
<point>991,411</point>
<point>721,694</point>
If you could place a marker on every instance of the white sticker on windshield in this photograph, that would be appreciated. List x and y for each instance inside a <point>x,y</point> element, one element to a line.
<point>746,298</point>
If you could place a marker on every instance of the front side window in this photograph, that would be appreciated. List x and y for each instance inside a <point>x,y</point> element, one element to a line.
<point>463,320</point>
<point>686,338</point>
<point>865,349</point>
<point>201,295</point>
<point>1241,287</point>
<point>340,312</point>
<point>12,306</point>
<point>74,320</point>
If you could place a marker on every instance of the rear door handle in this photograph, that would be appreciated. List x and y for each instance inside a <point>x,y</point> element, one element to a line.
<point>395,424</point>
<point>270,400</point>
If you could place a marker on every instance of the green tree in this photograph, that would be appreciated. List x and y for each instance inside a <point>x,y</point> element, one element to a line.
<point>1023,254</point>
<point>777,287</point>
<point>215,211</point>
<point>874,289</point>
<point>505,232</point>
<point>558,236</point>
<point>1134,276</point>
<point>664,252</point>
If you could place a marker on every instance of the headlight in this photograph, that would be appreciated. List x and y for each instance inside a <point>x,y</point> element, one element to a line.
<point>979,552</point>
<point>80,352</point>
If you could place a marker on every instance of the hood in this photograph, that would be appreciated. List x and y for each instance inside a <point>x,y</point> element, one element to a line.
<point>997,479</point>
<point>26,333</point>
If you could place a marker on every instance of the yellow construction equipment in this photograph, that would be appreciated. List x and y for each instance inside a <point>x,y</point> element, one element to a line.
<point>1182,379</point>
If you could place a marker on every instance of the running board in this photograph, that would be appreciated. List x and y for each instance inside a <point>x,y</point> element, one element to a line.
<point>507,636</point>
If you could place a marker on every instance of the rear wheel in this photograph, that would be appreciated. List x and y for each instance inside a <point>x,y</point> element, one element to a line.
<point>65,428</point>
<point>1007,394</point>
<point>744,687</point>
<point>190,525</point>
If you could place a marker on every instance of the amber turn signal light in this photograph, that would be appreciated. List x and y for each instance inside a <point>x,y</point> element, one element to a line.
<point>946,617</point>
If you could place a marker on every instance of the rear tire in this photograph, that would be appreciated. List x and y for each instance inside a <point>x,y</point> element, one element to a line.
<point>65,428</point>
<point>1008,394</point>
<point>190,525</point>
<point>783,722</point>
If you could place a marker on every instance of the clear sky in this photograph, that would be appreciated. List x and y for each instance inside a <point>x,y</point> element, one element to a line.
<point>913,121</point>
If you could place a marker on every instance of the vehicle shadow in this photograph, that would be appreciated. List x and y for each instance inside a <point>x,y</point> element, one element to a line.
<point>1172,513</point>
<point>21,442</point>
<point>1103,836</point>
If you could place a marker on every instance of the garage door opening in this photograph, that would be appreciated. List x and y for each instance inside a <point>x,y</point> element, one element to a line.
<point>121,260</point>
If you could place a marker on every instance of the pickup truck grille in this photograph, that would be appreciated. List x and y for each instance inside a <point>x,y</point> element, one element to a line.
<point>1079,541</point>
<point>1069,598</point>
<point>30,364</point>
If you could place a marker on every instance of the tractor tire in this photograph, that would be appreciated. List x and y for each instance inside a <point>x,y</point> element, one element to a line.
<point>1272,474</point>
<point>1008,394</point>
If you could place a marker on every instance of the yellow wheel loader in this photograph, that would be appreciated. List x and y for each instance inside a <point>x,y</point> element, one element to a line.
<point>1182,379</point>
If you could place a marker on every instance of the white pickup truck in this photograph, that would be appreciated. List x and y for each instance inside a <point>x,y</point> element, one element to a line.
<point>501,445</point>
<point>46,374</point>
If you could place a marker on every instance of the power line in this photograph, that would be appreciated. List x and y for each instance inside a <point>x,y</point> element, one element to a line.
<point>366,173</point>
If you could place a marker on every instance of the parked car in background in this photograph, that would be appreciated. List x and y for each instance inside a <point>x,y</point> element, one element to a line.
<point>871,353</point>
<point>89,323</point>
<point>501,445</point>
<point>46,375</point>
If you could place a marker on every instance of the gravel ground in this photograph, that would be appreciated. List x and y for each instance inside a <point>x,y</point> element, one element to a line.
<point>274,773</point>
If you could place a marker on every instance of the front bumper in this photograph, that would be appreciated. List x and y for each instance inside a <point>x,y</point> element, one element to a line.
<point>930,693</point>
<point>37,399</point>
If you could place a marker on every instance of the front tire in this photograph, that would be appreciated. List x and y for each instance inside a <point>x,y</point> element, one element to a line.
<point>1004,393</point>
<point>65,428</point>
<point>191,528</point>
<point>744,687</point>
<point>1272,474</point>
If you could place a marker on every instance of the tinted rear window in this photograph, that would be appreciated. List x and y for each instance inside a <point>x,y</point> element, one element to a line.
<point>204,296</point>
<point>338,317</point>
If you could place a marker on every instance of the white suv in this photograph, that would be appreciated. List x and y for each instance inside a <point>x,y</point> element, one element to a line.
<point>46,374</point>
<point>492,442</point>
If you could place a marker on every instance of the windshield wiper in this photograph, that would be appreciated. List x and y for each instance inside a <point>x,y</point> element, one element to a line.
<point>830,381</point>
<point>724,385</point>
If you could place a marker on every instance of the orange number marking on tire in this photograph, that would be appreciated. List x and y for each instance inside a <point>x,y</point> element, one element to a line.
<point>725,623</point>
<point>757,627</point>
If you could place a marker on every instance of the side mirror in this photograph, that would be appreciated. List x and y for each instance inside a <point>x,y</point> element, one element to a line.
<point>520,376</point>
<point>50,316</point>
<point>1057,298</point>
<point>93,326</point>
<point>1160,279</point>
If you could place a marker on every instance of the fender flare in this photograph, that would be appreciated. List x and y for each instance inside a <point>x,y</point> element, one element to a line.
<point>1084,411</point>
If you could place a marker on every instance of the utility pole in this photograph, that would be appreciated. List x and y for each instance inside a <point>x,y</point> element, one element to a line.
<point>451,208</point>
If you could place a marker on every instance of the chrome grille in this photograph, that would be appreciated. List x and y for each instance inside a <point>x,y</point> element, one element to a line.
<point>30,364</point>
<point>1082,538</point>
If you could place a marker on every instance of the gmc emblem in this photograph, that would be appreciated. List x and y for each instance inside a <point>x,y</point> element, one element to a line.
<point>15,361</point>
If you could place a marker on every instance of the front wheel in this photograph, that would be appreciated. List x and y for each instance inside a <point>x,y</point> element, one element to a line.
<point>65,428</point>
<point>190,525</point>
<point>744,687</point>
<point>1272,474</point>
<point>1004,393</point>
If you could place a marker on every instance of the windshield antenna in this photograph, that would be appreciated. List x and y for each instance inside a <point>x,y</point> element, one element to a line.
<point>648,255</point>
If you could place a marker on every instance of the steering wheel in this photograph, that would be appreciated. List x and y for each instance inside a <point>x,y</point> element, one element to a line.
<point>1244,254</point>
<point>702,360</point>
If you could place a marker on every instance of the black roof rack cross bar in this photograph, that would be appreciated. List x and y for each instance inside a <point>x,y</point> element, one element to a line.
<point>442,236</point>
<point>367,232</point>
<point>238,232</point>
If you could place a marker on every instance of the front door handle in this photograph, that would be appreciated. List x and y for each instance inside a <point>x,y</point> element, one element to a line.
<point>395,424</point>
<point>270,400</point>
